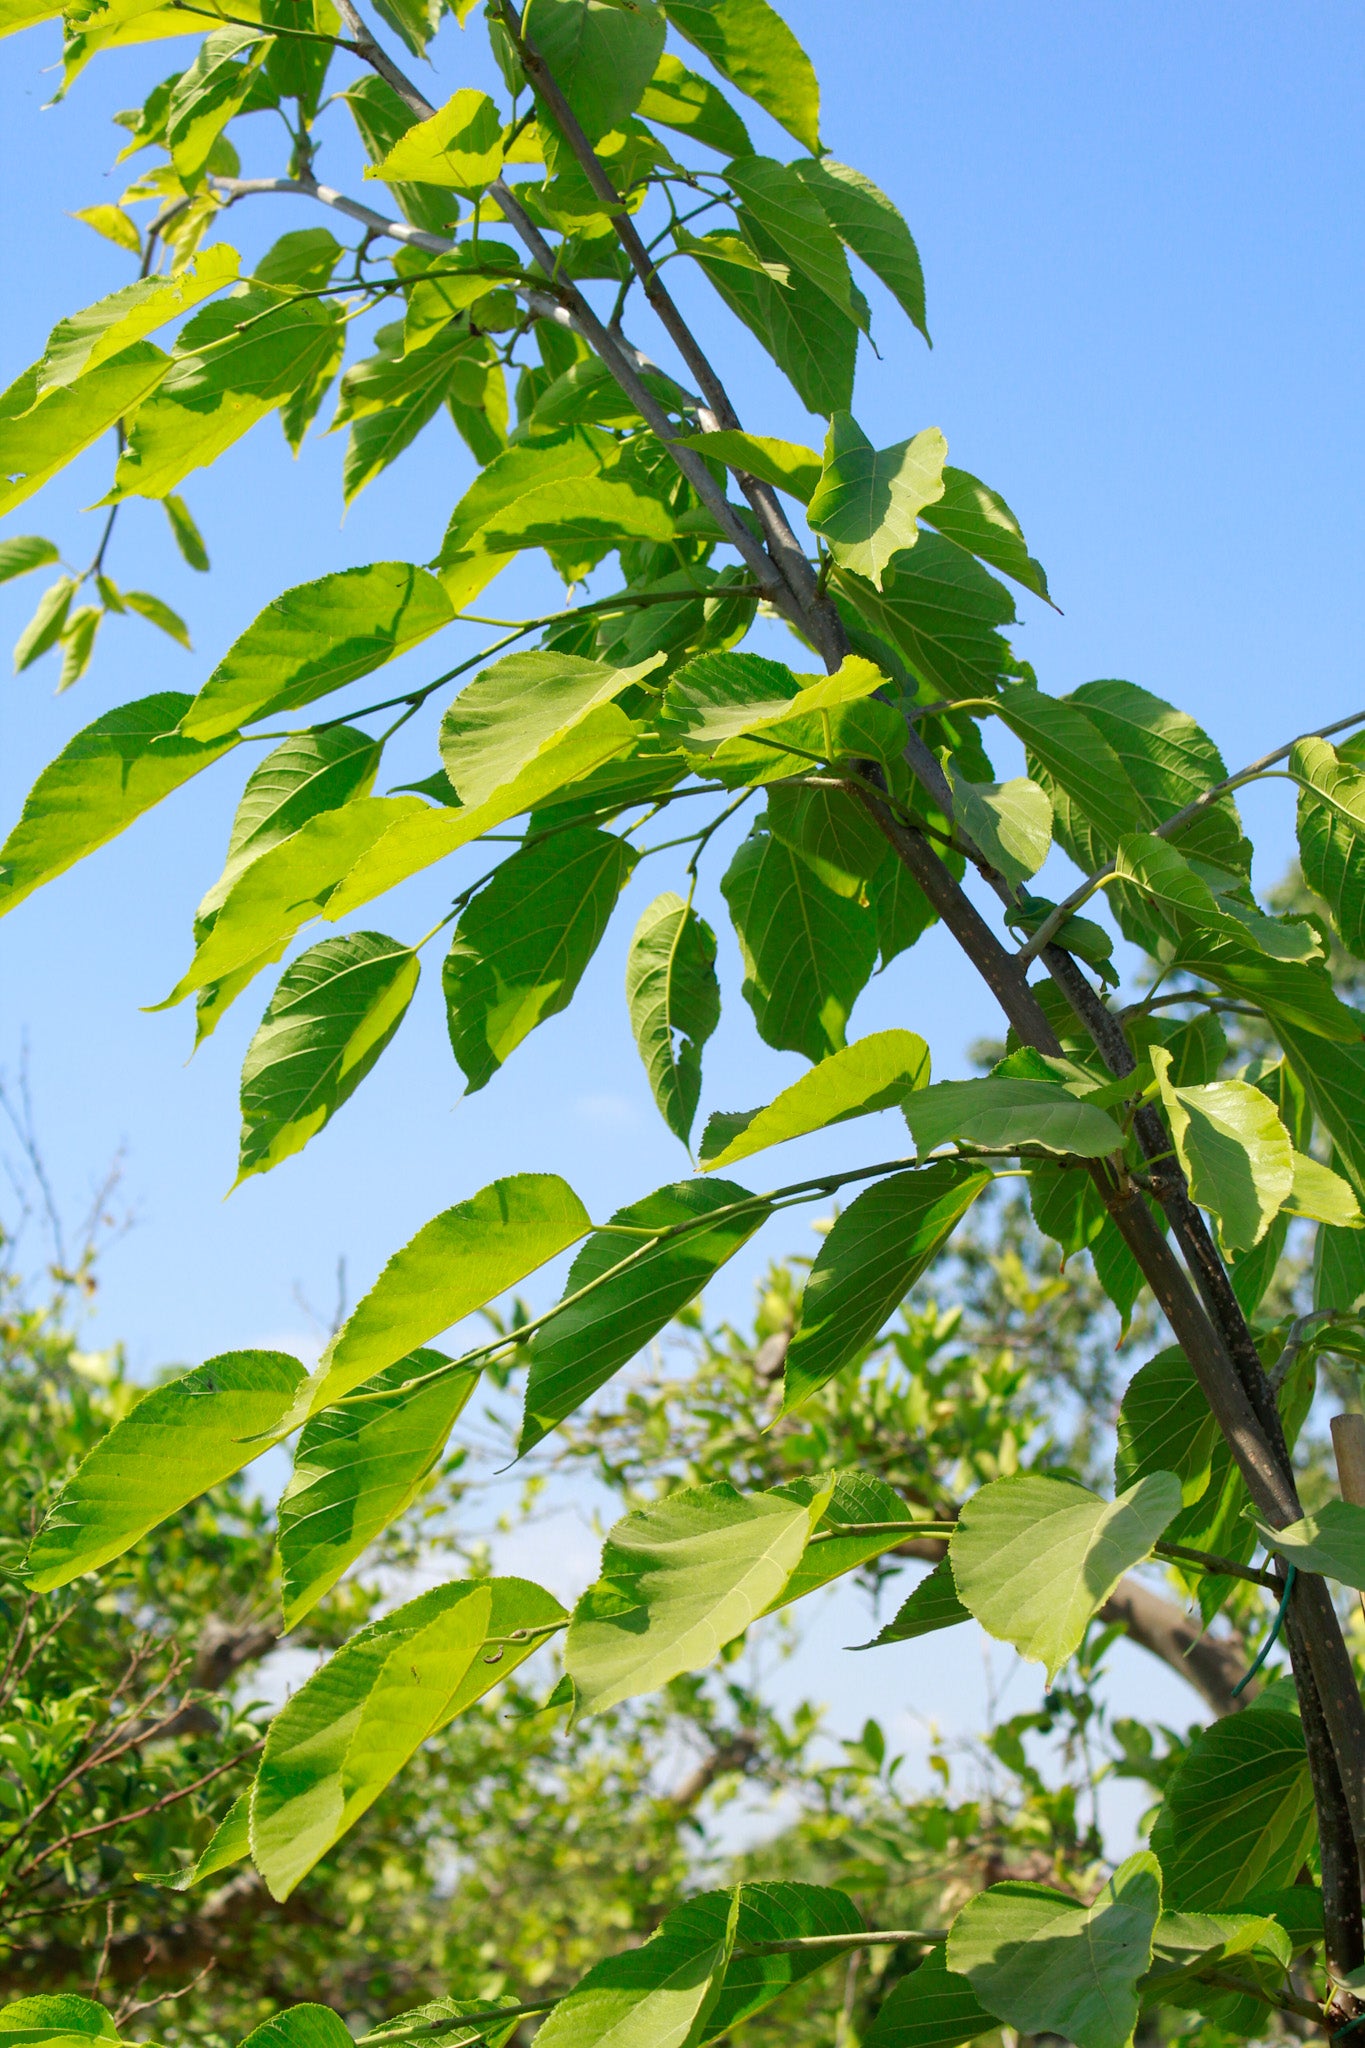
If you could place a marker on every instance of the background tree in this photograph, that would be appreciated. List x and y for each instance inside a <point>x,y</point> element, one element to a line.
<point>1141,1136</point>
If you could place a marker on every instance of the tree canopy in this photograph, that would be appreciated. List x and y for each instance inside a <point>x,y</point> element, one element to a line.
<point>1179,1139</point>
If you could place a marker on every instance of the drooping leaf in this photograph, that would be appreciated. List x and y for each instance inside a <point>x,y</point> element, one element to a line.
<point>1074,755</point>
<point>109,774</point>
<point>331,1016</point>
<point>1166,1425</point>
<point>750,44</point>
<point>1322,1196</point>
<point>978,519</point>
<point>1001,1114</point>
<point>1035,1558</point>
<point>677,98</point>
<point>868,500</point>
<point>316,637</point>
<point>813,343</point>
<point>658,1995</point>
<point>356,1469</point>
<point>287,886</point>
<point>874,1073</point>
<point>1010,821</point>
<point>862,216</point>
<point>462,1259</point>
<point>305,775</point>
<point>1235,1151</point>
<point>186,534</point>
<point>581,1346</point>
<point>679,1580</point>
<point>791,217</point>
<point>932,2007</point>
<point>229,1843</point>
<point>939,609</point>
<point>1331,822</point>
<point>807,953</point>
<point>48,624</point>
<point>674,1002</point>
<point>112,222</point>
<point>1238,1811</point>
<point>23,552</point>
<point>520,949</point>
<point>338,1741</point>
<point>39,436</point>
<point>178,1441</point>
<point>875,1252</point>
<point>1047,1964</point>
<point>933,1605</point>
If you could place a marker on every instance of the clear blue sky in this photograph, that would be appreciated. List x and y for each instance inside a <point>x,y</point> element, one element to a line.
<point>1141,229</point>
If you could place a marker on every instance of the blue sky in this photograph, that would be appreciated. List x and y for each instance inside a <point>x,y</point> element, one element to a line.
<point>1141,229</point>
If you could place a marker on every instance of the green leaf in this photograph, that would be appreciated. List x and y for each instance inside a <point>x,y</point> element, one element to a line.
<point>813,343</point>
<point>680,1579</point>
<point>229,1843</point>
<point>520,949</point>
<point>582,1345</point>
<point>658,1995</point>
<point>39,436</point>
<point>787,464</point>
<point>1035,1558</point>
<point>1338,1267</point>
<point>724,696</point>
<point>1322,1195</point>
<point>807,953</point>
<point>933,1605</point>
<point>390,399</point>
<point>676,98</point>
<point>1074,755</point>
<point>338,1741</point>
<point>307,774</point>
<point>1165,1425</point>
<point>862,216</point>
<point>1238,1811</point>
<point>159,614</point>
<point>978,519</point>
<point>1331,1542</point>
<point>766,1913</point>
<point>49,2017</point>
<point>458,1262</point>
<point>300,2026</point>
<point>517,710</point>
<point>868,500</point>
<point>112,222</point>
<point>932,2007</point>
<point>874,1073</point>
<point>47,625</point>
<point>109,774</point>
<point>459,147</point>
<point>84,340</point>
<point>78,644</point>
<point>238,359</point>
<point>316,637</point>
<point>1047,1964</point>
<point>1003,1114</point>
<point>751,45</point>
<point>207,96</point>
<point>602,56</point>
<point>939,609</point>
<point>178,1441</point>
<point>832,832</point>
<point>841,1500</point>
<point>331,1016</point>
<point>1333,1077</point>
<point>186,534</point>
<point>286,887</point>
<point>358,1467</point>
<point>903,911</point>
<point>791,216</point>
<point>674,1002</point>
<point>1235,1151</point>
<point>1010,821</point>
<point>879,1246</point>
<point>1331,822</point>
<point>23,552</point>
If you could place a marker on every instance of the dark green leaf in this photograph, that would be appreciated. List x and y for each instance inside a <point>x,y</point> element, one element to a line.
<point>978,519</point>
<point>602,56</point>
<point>832,833</point>
<point>751,45</point>
<point>862,216</point>
<point>811,341</point>
<point>520,949</point>
<point>1238,1811</point>
<point>939,609</point>
<point>1332,835</point>
<point>658,1995</point>
<point>1074,757</point>
<point>674,1002</point>
<point>807,952</point>
<point>1166,1425</point>
<point>767,1913</point>
<point>879,1246</point>
<point>188,538</point>
<point>792,218</point>
<point>931,2008</point>
<point>580,1348</point>
<point>330,1018</point>
<point>933,1605</point>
